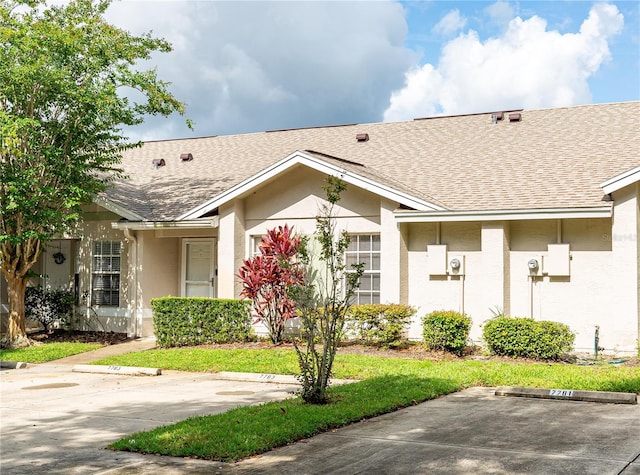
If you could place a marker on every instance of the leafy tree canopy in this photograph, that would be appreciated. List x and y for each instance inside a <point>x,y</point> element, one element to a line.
<point>66,82</point>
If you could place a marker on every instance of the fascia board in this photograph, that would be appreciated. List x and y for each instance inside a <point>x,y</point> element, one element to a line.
<point>117,209</point>
<point>186,224</point>
<point>620,181</point>
<point>301,158</point>
<point>502,215</point>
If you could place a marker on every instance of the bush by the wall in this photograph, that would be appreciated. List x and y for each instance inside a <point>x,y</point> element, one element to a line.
<point>446,330</point>
<point>527,338</point>
<point>50,307</point>
<point>378,324</point>
<point>180,321</point>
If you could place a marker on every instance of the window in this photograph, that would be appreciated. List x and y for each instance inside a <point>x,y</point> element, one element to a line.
<point>105,276</point>
<point>365,248</point>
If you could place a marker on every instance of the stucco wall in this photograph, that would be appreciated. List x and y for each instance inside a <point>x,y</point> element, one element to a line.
<point>602,287</point>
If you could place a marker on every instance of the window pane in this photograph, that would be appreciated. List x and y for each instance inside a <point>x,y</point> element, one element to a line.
<point>375,262</point>
<point>375,243</point>
<point>365,243</point>
<point>375,282</point>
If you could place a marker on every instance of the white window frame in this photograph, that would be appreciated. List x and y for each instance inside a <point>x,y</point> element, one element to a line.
<point>99,256</point>
<point>358,249</point>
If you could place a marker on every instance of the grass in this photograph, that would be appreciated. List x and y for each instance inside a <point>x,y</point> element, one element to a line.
<point>46,352</point>
<point>388,384</point>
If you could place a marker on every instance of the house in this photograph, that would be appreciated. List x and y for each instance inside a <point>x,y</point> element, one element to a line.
<point>531,212</point>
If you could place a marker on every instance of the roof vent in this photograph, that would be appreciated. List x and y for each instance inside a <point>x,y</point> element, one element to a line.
<point>362,137</point>
<point>515,117</point>
<point>158,162</point>
<point>496,116</point>
<point>186,157</point>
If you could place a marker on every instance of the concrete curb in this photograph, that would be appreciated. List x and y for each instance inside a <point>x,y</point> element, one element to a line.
<point>569,395</point>
<point>270,378</point>
<point>13,364</point>
<point>127,370</point>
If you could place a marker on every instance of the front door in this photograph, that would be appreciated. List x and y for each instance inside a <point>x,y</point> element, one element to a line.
<point>198,268</point>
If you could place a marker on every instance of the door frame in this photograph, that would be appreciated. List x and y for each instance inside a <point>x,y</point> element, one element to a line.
<point>213,265</point>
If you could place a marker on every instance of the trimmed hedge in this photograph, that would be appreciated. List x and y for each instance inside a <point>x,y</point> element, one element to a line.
<point>181,321</point>
<point>446,330</point>
<point>378,324</point>
<point>527,338</point>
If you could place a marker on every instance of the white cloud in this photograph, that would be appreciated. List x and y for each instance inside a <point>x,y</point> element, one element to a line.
<point>527,66</point>
<point>252,66</point>
<point>451,23</point>
<point>500,12</point>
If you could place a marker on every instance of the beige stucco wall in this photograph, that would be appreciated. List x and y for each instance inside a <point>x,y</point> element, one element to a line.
<point>602,288</point>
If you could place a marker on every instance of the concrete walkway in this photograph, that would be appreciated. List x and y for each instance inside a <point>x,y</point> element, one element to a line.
<point>55,421</point>
<point>140,344</point>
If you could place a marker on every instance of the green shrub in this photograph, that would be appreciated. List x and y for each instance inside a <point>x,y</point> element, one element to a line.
<point>50,307</point>
<point>446,330</point>
<point>182,321</point>
<point>527,338</point>
<point>378,324</point>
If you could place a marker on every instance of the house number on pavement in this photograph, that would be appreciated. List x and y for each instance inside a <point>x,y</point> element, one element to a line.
<point>114,368</point>
<point>561,392</point>
<point>267,376</point>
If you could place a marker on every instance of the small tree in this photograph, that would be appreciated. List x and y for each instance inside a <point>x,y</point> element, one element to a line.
<point>267,277</point>
<point>323,298</point>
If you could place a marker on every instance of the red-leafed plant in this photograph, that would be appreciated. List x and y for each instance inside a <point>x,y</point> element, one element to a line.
<point>267,277</point>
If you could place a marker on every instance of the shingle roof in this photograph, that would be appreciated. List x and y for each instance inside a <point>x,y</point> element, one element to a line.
<point>552,158</point>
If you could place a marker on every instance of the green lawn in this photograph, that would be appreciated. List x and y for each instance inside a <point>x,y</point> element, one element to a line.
<point>388,384</point>
<point>46,352</point>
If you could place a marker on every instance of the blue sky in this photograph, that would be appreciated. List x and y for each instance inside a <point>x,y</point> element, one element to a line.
<point>245,67</point>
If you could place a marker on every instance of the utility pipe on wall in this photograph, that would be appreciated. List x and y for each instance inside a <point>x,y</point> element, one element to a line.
<point>133,289</point>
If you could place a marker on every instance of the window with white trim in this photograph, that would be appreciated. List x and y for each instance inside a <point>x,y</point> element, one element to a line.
<point>365,249</point>
<point>105,273</point>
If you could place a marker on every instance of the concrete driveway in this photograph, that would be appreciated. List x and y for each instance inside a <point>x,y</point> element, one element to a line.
<point>58,422</point>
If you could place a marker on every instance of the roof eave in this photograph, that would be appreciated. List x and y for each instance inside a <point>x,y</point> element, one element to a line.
<point>117,209</point>
<point>207,223</point>
<point>620,181</point>
<point>502,214</point>
<point>301,158</point>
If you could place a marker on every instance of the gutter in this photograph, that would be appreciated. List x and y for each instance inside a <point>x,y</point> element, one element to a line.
<point>134,288</point>
<point>186,224</point>
<point>502,215</point>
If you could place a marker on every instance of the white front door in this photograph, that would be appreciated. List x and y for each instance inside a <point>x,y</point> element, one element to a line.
<point>198,268</point>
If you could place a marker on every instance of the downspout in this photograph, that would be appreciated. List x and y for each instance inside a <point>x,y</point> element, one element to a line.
<point>134,291</point>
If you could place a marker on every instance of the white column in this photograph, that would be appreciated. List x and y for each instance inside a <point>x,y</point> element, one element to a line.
<point>495,266</point>
<point>390,255</point>
<point>231,248</point>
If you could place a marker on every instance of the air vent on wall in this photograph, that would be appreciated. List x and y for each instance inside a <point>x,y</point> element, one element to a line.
<point>186,157</point>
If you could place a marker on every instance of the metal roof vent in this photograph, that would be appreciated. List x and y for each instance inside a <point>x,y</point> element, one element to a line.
<point>362,137</point>
<point>158,162</point>
<point>496,116</point>
<point>186,157</point>
<point>515,117</point>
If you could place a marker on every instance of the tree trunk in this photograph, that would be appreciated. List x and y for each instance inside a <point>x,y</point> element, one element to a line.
<point>16,289</point>
<point>16,261</point>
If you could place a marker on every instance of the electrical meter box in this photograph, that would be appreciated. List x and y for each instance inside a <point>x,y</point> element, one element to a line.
<point>437,259</point>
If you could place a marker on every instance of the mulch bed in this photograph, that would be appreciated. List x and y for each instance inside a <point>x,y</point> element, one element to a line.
<point>411,351</point>
<point>63,336</point>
